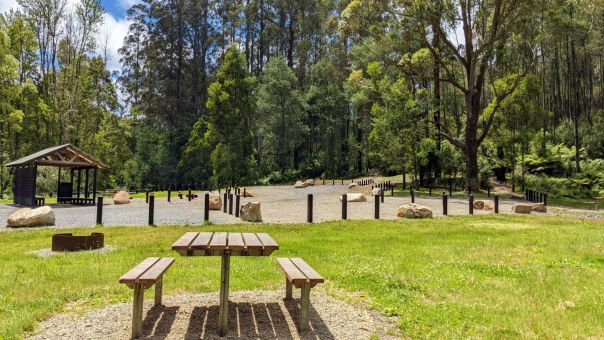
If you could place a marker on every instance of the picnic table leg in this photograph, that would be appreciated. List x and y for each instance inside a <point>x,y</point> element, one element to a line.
<point>288,289</point>
<point>223,311</point>
<point>304,306</point>
<point>137,311</point>
<point>158,291</point>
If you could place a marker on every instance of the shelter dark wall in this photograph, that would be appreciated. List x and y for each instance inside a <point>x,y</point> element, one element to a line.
<point>25,186</point>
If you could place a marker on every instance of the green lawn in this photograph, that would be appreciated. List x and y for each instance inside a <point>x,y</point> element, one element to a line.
<point>457,277</point>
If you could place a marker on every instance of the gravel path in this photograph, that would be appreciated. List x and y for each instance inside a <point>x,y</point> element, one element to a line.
<point>280,204</point>
<point>252,315</point>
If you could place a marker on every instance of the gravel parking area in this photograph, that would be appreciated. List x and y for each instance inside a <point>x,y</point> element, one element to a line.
<point>280,204</point>
<point>252,315</point>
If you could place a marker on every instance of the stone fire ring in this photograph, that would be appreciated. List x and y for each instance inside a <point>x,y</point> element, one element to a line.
<point>68,242</point>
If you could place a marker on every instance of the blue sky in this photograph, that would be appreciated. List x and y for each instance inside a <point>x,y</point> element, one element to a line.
<point>110,35</point>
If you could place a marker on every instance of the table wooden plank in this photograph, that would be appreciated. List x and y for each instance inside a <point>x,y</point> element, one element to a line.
<point>219,241</point>
<point>236,242</point>
<point>202,241</point>
<point>184,242</point>
<point>294,275</point>
<point>133,274</point>
<point>252,243</point>
<point>150,276</point>
<point>307,270</point>
<point>268,243</point>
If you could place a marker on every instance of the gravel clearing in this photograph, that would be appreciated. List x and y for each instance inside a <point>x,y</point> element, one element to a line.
<point>252,315</point>
<point>47,252</point>
<point>280,204</point>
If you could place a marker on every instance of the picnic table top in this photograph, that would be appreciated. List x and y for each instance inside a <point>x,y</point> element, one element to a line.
<point>216,243</point>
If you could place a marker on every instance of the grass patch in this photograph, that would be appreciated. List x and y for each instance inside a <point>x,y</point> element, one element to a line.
<point>457,277</point>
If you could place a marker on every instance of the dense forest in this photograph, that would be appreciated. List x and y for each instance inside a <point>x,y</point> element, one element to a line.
<point>226,92</point>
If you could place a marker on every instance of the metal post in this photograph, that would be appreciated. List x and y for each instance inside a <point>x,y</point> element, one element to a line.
<point>445,204</point>
<point>151,208</point>
<point>224,206</point>
<point>344,207</point>
<point>237,203</point>
<point>230,204</point>
<point>496,204</point>
<point>223,311</point>
<point>471,207</point>
<point>206,208</point>
<point>377,207</point>
<point>309,209</point>
<point>99,210</point>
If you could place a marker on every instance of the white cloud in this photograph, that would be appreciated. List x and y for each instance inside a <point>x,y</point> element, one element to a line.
<point>111,38</point>
<point>7,5</point>
<point>126,4</point>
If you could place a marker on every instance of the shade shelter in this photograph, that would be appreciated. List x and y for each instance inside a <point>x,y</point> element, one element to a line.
<point>65,156</point>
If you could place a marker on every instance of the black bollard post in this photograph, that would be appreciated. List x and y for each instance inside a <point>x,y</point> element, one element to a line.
<point>377,207</point>
<point>382,195</point>
<point>545,199</point>
<point>445,204</point>
<point>99,210</point>
<point>190,195</point>
<point>244,192</point>
<point>147,196</point>
<point>309,209</point>
<point>344,207</point>
<point>471,206</point>
<point>333,182</point>
<point>151,208</point>
<point>392,190</point>
<point>412,195</point>
<point>230,204</point>
<point>224,206</point>
<point>206,208</point>
<point>342,181</point>
<point>169,194</point>
<point>489,191</point>
<point>237,203</point>
<point>450,189</point>
<point>496,204</point>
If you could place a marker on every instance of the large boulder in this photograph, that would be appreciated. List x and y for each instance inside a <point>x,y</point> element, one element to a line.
<point>414,211</point>
<point>352,185</point>
<point>215,201</point>
<point>310,182</point>
<point>28,217</point>
<point>522,208</point>
<point>376,192</point>
<point>121,197</point>
<point>246,192</point>
<point>355,197</point>
<point>484,205</point>
<point>250,212</point>
<point>300,184</point>
<point>539,207</point>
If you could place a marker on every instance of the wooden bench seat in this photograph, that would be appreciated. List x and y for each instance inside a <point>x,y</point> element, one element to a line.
<point>300,275</point>
<point>146,274</point>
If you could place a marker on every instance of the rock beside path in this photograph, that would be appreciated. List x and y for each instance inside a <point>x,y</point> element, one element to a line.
<point>27,217</point>
<point>121,197</point>
<point>300,185</point>
<point>215,201</point>
<point>355,197</point>
<point>352,185</point>
<point>539,207</point>
<point>522,208</point>
<point>414,211</point>
<point>310,182</point>
<point>484,205</point>
<point>250,212</point>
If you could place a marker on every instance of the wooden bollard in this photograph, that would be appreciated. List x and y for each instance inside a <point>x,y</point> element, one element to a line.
<point>237,203</point>
<point>169,195</point>
<point>309,209</point>
<point>244,192</point>
<point>412,195</point>
<point>99,210</point>
<point>344,207</point>
<point>445,204</point>
<point>146,196</point>
<point>333,182</point>
<point>206,208</point>
<point>496,204</point>
<point>382,195</point>
<point>471,206</point>
<point>377,207</point>
<point>230,204</point>
<point>151,208</point>
<point>224,206</point>
<point>342,181</point>
<point>190,195</point>
<point>545,199</point>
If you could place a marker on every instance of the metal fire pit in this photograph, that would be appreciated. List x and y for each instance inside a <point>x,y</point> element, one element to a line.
<point>68,242</point>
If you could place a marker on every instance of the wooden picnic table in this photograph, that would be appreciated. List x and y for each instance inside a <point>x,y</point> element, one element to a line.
<point>225,245</point>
